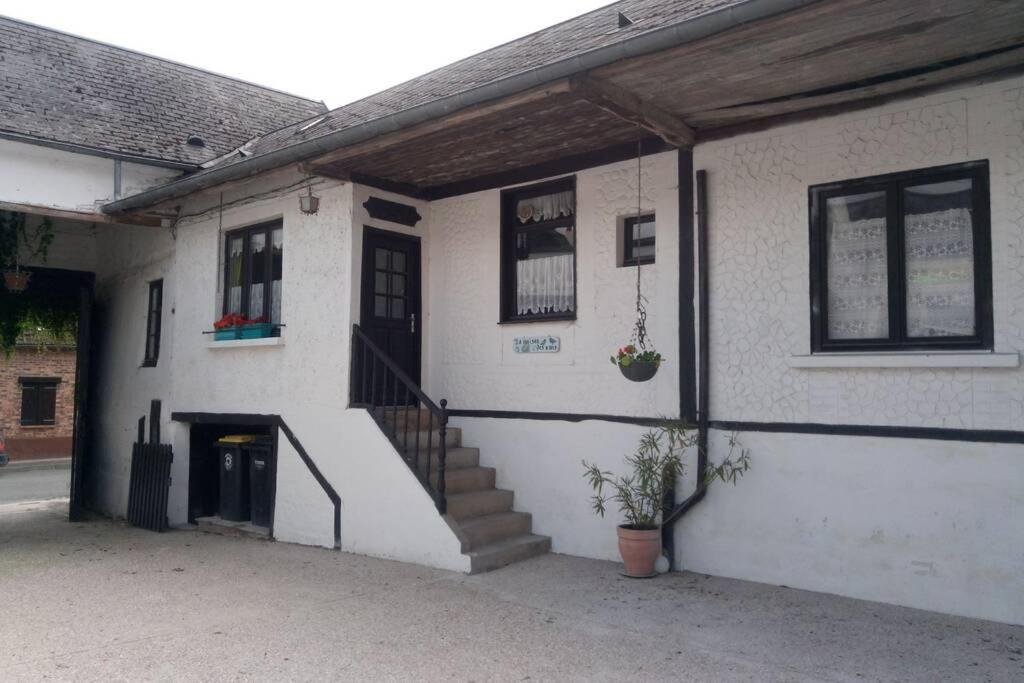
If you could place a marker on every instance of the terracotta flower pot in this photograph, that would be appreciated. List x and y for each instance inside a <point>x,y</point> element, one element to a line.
<point>16,281</point>
<point>639,549</point>
<point>639,371</point>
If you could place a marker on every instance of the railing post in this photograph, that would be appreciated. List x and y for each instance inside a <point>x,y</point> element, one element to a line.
<point>442,452</point>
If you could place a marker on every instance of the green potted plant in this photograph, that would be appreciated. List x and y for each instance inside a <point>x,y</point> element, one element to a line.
<point>655,466</point>
<point>17,244</point>
<point>637,365</point>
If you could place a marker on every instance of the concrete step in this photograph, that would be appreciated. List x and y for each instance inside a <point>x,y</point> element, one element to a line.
<point>479,503</point>
<point>503,553</point>
<point>455,458</point>
<point>453,438</point>
<point>404,418</point>
<point>466,479</point>
<point>482,531</point>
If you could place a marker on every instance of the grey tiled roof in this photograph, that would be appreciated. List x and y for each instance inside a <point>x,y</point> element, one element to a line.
<point>73,90</point>
<point>586,32</point>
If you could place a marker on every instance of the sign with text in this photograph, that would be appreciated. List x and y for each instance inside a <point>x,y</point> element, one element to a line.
<point>544,344</point>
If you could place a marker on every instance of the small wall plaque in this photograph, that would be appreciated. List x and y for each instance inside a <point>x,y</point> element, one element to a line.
<point>544,344</point>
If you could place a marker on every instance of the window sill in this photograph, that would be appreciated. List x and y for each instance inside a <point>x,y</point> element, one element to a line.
<point>933,359</point>
<point>245,343</point>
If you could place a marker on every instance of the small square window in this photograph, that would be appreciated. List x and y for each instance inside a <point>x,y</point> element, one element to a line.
<point>638,240</point>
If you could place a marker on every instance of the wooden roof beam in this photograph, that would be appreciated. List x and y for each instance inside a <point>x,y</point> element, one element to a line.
<point>630,107</point>
<point>148,220</point>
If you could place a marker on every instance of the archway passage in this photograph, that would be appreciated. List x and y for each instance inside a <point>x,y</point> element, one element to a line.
<point>60,303</point>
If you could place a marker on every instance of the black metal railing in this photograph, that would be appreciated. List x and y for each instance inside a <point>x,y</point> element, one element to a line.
<point>400,407</point>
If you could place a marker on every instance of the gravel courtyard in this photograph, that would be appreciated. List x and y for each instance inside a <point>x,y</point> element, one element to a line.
<point>102,601</point>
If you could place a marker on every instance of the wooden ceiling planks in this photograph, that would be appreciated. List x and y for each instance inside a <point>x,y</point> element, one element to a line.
<point>823,58</point>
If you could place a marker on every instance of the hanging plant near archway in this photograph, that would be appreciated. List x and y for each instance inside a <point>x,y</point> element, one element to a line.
<point>638,361</point>
<point>18,244</point>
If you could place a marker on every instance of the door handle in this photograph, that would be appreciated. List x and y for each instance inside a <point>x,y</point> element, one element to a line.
<point>412,323</point>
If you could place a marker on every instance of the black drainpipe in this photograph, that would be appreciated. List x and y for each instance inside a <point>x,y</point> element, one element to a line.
<point>703,387</point>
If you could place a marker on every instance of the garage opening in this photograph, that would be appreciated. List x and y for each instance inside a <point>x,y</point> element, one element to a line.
<point>232,477</point>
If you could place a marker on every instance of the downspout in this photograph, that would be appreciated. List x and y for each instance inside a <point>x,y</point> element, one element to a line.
<point>703,388</point>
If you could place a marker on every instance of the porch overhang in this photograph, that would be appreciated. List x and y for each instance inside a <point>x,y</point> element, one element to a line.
<point>786,62</point>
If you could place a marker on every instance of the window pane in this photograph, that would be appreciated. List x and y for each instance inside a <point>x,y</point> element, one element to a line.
<point>234,265</point>
<point>939,234</point>
<point>544,271</point>
<point>398,261</point>
<point>398,285</point>
<point>858,302</point>
<point>381,258</point>
<point>397,308</point>
<point>257,273</point>
<point>641,242</point>
<point>47,404</point>
<point>29,414</point>
<point>381,283</point>
<point>276,273</point>
<point>380,306</point>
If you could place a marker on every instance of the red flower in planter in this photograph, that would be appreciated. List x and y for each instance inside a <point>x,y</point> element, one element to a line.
<point>230,320</point>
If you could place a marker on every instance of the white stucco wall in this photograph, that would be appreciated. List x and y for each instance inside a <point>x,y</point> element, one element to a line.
<point>42,176</point>
<point>471,360</point>
<point>930,524</point>
<point>760,316</point>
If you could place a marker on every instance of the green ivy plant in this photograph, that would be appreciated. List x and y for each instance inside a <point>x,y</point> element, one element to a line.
<point>655,466</point>
<point>18,243</point>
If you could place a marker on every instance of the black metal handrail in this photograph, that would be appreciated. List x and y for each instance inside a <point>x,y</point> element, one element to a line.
<point>377,383</point>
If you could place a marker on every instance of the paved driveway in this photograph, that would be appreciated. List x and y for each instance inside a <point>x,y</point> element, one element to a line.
<point>100,600</point>
<point>38,480</point>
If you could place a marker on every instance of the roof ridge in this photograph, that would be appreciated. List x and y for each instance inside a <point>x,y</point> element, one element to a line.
<point>49,29</point>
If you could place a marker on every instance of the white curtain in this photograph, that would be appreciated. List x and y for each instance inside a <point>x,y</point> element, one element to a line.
<point>547,207</point>
<point>940,274</point>
<point>857,277</point>
<point>545,284</point>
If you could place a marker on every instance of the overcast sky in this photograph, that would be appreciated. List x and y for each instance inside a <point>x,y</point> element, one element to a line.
<point>333,51</point>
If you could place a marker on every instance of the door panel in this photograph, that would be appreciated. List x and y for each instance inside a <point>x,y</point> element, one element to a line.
<point>390,313</point>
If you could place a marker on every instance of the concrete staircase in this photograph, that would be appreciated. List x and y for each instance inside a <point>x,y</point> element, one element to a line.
<point>493,535</point>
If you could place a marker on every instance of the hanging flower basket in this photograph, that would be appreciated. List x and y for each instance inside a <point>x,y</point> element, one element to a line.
<point>636,365</point>
<point>17,280</point>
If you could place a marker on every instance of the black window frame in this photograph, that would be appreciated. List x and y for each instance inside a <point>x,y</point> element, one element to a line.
<point>510,227</point>
<point>246,234</point>
<point>893,185</point>
<point>154,322</point>
<point>34,386</point>
<point>629,245</point>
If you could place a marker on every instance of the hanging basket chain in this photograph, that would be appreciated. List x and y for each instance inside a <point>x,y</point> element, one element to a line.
<point>640,337</point>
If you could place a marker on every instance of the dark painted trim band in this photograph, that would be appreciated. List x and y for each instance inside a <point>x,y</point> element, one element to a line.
<point>560,417</point>
<point>251,419</point>
<point>687,320</point>
<point>888,431</point>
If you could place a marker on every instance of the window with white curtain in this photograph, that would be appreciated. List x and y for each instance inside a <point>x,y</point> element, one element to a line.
<point>253,271</point>
<point>902,261</point>
<point>539,252</point>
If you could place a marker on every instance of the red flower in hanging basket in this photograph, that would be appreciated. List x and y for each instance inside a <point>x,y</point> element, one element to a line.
<point>628,355</point>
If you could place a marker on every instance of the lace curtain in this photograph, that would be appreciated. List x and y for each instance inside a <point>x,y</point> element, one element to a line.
<point>546,207</point>
<point>940,274</point>
<point>857,269</point>
<point>939,269</point>
<point>545,284</point>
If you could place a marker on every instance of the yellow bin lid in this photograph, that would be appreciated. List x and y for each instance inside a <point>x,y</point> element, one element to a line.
<point>238,438</point>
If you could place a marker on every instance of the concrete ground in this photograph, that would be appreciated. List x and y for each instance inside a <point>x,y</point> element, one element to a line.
<point>103,601</point>
<point>35,480</point>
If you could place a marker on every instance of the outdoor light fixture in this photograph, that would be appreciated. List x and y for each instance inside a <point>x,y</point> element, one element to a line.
<point>309,203</point>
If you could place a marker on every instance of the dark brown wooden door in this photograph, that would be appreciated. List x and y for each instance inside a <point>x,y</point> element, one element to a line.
<point>390,310</point>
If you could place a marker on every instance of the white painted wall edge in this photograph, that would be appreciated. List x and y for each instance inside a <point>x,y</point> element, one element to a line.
<point>956,359</point>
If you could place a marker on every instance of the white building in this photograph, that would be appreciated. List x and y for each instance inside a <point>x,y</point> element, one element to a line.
<point>837,191</point>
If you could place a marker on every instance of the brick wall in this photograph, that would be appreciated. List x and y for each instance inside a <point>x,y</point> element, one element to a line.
<point>31,361</point>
